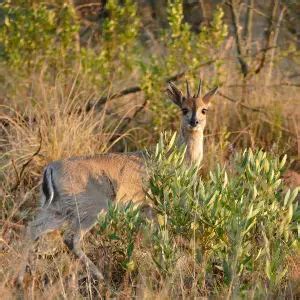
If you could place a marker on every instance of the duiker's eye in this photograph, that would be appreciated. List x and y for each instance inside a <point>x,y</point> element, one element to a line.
<point>185,111</point>
<point>204,110</point>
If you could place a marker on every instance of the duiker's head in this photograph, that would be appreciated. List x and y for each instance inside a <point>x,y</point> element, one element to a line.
<point>194,107</point>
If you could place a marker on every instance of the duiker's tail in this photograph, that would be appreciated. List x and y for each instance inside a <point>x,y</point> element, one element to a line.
<point>48,188</point>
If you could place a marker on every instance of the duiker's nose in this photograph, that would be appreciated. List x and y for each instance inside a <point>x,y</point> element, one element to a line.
<point>194,122</point>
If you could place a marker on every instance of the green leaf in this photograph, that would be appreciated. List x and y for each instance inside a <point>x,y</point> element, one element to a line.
<point>283,161</point>
<point>286,197</point>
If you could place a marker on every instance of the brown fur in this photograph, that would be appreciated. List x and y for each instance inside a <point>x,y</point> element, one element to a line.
<point>125,173</point>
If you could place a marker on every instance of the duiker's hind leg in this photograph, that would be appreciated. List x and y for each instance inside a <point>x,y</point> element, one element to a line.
<point>46,221</point>
<point>72,240</point>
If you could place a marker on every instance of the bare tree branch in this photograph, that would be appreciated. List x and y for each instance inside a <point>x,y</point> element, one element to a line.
<point>242,62</point>
<point>274,42</point>
<point>268,37</point>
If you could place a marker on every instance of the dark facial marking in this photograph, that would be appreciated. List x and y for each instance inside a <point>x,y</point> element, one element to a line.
<point>194,121</point>
<point>185,111</point>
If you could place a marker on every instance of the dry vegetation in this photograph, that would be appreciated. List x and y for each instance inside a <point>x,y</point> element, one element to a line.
<point>65,75</point>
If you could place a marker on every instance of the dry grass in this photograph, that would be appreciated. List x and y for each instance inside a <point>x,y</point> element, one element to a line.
<point>275,128</point>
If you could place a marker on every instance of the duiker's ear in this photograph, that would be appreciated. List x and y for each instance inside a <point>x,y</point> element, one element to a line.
<point>174,94</point>
<point>209,95</point>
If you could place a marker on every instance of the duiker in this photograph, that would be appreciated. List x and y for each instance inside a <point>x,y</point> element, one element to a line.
<point>75,190</point>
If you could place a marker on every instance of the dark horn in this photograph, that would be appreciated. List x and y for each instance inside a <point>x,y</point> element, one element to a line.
<point>188,89</point>
<point>199,88</point>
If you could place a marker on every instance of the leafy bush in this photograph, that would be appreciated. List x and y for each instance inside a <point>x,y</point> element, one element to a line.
<point>32,34</point>
<point>120,227</point>
<point>115,53</point>
<point>36,33</point>
<point>239,225</point>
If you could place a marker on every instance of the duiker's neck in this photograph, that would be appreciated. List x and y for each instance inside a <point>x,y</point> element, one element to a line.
<point>193,139</point>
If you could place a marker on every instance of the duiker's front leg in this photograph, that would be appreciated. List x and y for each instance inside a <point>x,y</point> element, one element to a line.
<point>72,240</point>
<point>28,264</point>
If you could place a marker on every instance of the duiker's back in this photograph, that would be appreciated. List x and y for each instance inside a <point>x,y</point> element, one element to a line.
<point>121,175</point>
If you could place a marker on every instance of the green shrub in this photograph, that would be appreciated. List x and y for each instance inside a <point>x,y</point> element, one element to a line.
<point>115,53</point>
<point>238,224</point>
<point>32,34</point>
<point>37,33</point>
<point>120,227</point>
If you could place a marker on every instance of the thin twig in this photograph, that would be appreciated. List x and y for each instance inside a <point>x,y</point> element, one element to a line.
<point>275,38</point>
<point>11,224</point>
<point>15,169</point>
<point>140,108</point>
<point>280,85</point>
<point>254,109</point>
